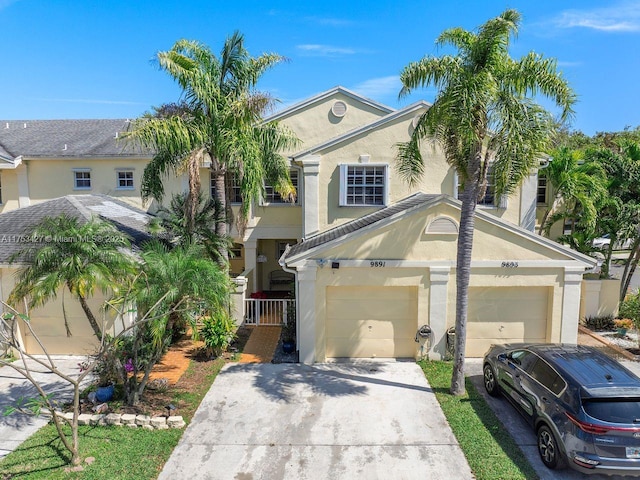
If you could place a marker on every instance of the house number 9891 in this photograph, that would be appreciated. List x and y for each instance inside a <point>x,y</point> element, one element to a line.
<point>377,263</point>
<point>509,264</point>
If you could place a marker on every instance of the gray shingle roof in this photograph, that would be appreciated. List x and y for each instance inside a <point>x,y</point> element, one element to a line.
<point>65,138</point>
<point>15,224</point>
<point>414,201</point>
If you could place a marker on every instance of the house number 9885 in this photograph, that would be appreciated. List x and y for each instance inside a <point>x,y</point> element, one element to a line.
<point>377,263</point>
<point>509,264</point>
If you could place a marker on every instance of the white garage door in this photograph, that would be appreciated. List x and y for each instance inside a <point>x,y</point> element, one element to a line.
<point>366,322</point>
<point>504,315</point>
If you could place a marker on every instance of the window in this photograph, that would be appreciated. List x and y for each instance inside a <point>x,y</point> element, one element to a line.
<point>363,185</point>
<point>82,179</point>
<point>542,191</point>
<point>548,377</point>
<point>271,196</point>
<point>233,190</point>
<point>125,180</point>
<point>281,247</point>
<point>567,227</point>
<point>235,251</point>
<point>489,199</point>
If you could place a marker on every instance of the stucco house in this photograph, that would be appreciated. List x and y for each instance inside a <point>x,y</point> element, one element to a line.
<point>370,259</point>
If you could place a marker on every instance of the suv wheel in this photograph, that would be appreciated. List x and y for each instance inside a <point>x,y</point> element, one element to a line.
<point>490,381</point>
<point>548,448</point>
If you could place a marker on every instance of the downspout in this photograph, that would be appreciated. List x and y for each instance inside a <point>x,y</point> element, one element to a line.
<point>295,284</point>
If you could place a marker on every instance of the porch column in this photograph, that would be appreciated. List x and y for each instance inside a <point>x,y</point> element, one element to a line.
<point>250,264</point>
<point>571,304</point>
<point>310,205</point>
<point>438,286</point>
<point>306,301</point>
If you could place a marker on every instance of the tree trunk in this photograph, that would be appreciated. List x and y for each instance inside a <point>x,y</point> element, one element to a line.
<point>606,262</point>
<point>630,268</point>
<point>221,209</point>
<point>92,320</point>
<point>463,274</point>
<point>191,203</point>
<point>551,209</point>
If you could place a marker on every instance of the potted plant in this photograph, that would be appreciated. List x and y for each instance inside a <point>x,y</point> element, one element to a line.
<point>622,325</point>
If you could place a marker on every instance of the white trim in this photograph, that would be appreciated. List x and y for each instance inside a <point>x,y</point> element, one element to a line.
<point>511,269</point>
<point>75,179</point>
<point>125,170</point>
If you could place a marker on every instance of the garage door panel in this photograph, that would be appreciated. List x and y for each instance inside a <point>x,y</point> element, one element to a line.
<point>505,315</point>
<point>363,322</point>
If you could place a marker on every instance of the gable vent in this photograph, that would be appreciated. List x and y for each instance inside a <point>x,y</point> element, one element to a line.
<point>443,225</point>
<point>339,109</point>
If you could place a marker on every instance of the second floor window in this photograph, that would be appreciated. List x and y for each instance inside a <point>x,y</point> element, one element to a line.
<point>82,179</point>
<point>233,190</point>
<point>541,197</point>
<point>363,185</point>
<point>125,180</point>
<point>489,198</point>
<point>270,194</point>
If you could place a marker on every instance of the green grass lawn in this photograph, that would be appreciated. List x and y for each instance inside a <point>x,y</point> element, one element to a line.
<point>491,452</point>
<point>120,452</point>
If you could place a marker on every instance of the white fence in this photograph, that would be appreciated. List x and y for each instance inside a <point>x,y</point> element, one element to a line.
<point>266,311</point>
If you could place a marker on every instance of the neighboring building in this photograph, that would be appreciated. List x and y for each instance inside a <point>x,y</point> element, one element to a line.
<point>373,258</point>
<point>47,322</point>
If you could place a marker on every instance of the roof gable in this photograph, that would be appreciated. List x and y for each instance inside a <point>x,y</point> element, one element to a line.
<point>401,232</point>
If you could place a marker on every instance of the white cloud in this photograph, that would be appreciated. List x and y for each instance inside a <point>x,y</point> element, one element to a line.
<point>379,87</point>
<point>316,50</point>
<point>330,21</point>
<point>623,17</point>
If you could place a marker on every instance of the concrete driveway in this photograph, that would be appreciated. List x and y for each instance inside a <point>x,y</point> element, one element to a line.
<point>522,433</point>
<point>339,421</point>
<point>16,428</point>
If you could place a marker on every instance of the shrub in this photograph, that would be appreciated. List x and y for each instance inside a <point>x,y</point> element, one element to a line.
<point>599,323</point>
<point>630,308</point>
<point>217,332</point>
<point>624,323</point>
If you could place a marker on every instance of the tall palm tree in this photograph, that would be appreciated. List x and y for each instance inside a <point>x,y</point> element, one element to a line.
<point>220,121</point>
<point>575,183</point>
<point>481,115</point>
<point>80,257</point>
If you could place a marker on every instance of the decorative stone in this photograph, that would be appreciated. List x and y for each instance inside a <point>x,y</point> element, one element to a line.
<point>68,416</point>
<point>113,419</point>
<point>164,426</point>
<point>128,418</point>
<point>143,420</point>
<point>176,422</point>
<point>132,425</point>
<point>156,422</point>
<point>147,427</point>
<point>84,419</point>
<point>98,419</point>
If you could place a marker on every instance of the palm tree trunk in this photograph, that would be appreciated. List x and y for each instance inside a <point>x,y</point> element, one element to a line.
<point>221,209</point>
<point>551,209</point>
<point>92,320</point>
<point>630,268</point>
<point>193,196</point>
<point>463,274</point>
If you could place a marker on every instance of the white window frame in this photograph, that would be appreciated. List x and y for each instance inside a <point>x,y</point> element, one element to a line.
<point>344,174</point>
<point>270,192</point>
<point>486,206</point>
<point>76,171</point>
<point>546,190</point>
<point>235,187</point>
<point>118,179</point>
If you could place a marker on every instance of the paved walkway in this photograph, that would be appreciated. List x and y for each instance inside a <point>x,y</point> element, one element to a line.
<point>362,420</point>
<point>176,361</point>
<point>261,345</point>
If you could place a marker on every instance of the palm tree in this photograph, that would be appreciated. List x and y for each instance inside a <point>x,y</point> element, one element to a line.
<point>219,121</point>
<point>576,184</point>
<point>481,115</point>
<point>176,286</point>
<point>78,256</point>
<point>175,222</point>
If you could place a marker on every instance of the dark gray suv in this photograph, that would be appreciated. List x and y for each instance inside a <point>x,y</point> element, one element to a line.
<point>583,405</point>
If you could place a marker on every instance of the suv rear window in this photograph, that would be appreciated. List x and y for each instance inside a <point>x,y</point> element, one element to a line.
<point>614,410</point>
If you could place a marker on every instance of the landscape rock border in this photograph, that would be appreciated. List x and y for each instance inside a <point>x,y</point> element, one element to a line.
<point>126,420</point>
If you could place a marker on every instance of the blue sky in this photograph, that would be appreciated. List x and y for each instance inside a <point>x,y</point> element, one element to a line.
<point>93,58</point>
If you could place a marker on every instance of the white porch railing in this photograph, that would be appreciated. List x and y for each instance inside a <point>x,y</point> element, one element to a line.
<point>266,311</point>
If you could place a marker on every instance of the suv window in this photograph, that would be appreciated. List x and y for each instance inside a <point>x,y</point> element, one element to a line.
<point>614,410</point>
<point>547,376</point>
<point>523,358</point>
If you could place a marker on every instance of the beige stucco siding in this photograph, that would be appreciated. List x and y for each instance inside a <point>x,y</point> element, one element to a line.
<point>315,123</point>
<point>9,184</point>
